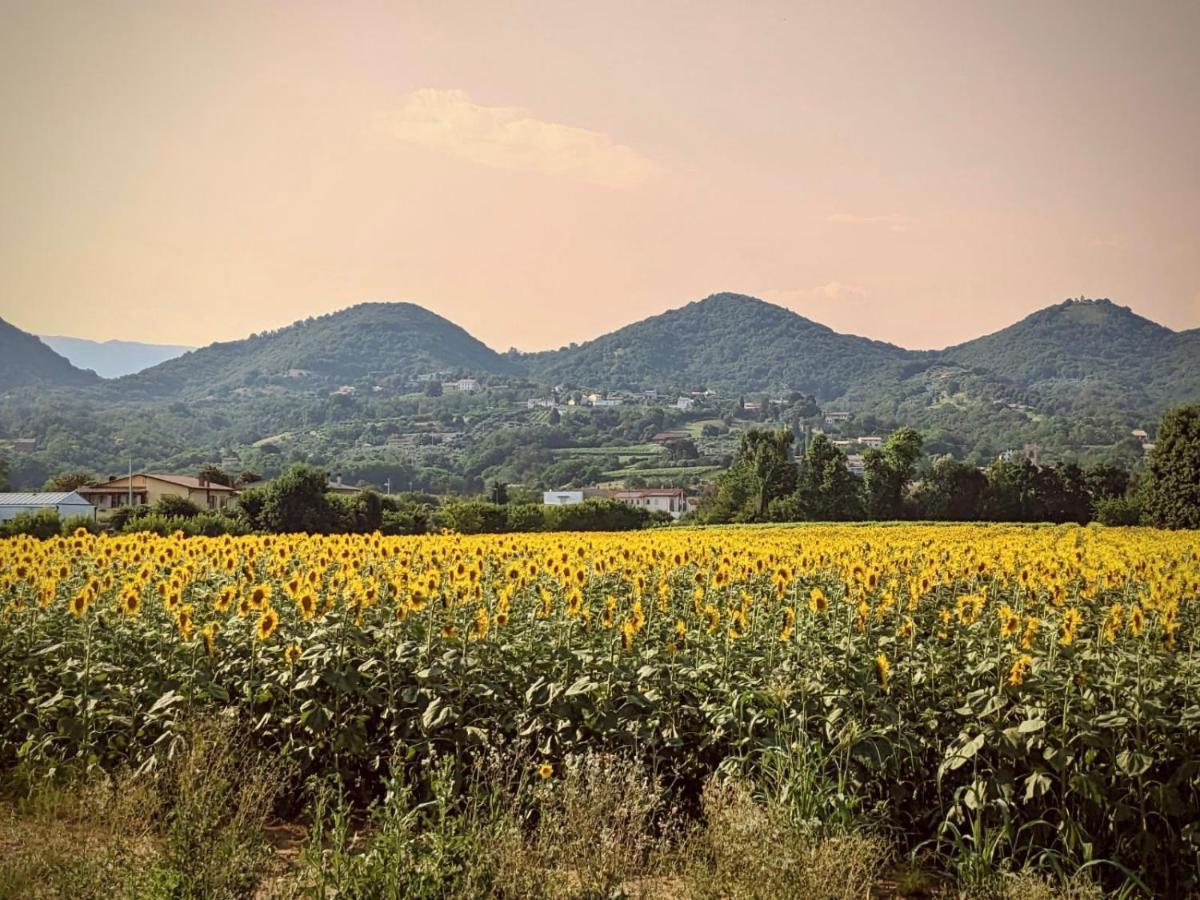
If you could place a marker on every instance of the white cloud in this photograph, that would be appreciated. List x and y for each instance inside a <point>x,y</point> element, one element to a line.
<point>845,294</point>
<point>892,221</point>
<point>509,138</point>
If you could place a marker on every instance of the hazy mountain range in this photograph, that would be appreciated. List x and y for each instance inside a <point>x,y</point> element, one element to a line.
<point>112,359</point>
<point>1074,355</point>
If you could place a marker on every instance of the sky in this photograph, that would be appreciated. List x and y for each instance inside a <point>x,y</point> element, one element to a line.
<point>541,173</point>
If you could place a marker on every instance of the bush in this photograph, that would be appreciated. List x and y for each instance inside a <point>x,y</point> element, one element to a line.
<point>526,517</point>
<point>1117,511</point>
<point>71,524</point>
<point>476,517</point>
<point>596,515</point>
<point>41,524</point>
<point>171,506</point>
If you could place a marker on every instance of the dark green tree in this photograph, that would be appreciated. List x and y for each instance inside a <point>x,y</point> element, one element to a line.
<point>3,474</point>
<point>1171,489</point>
<point>498,493</point>
<point>826,491</point>
<point>951,491</point>
<point>296,502</point>
<point>70,481</point>
<point>886,472</point>
<point>762,471</point>
<point>215,474</point>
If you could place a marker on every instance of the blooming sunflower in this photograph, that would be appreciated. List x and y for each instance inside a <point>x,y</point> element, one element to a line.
<point>267,623</point>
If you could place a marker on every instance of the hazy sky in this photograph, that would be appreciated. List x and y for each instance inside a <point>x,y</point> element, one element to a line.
<point>544,172</point>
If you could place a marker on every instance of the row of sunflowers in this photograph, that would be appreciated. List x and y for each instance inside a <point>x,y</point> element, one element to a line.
<point>952,678</point>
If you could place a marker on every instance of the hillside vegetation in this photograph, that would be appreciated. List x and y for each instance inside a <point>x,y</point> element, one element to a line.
<point>25,360</point>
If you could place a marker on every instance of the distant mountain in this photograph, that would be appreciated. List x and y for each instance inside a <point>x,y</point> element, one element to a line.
<point>726,341</point>
<point>372,343</point>
<point>26,361</point>
<point>1090,354</point>
<point>111,359</point>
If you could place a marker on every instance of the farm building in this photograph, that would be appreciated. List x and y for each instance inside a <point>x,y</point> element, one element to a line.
<point>65,504</point>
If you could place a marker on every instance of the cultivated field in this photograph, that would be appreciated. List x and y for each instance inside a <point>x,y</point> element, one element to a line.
<point>965,699</point>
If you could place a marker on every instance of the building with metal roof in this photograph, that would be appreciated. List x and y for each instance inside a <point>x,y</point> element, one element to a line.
<point>65,503</point>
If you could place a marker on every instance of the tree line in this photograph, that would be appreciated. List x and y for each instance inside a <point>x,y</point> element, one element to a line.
<point>766,483</point>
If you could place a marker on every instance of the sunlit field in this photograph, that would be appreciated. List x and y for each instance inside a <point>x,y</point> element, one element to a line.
<point>977,698</point>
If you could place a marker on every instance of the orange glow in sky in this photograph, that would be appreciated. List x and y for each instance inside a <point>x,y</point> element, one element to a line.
<point>541,173</point>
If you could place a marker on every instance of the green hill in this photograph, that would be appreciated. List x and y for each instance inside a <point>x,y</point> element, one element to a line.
<point>372,343</point>
<point>26,361</point>
<point>1083,355</point>
<point>725,342</point>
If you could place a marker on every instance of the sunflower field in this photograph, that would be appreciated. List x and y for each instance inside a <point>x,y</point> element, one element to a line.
<point>1033,692</point>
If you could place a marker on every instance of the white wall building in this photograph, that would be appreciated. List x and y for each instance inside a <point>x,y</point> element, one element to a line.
<point>65,504</point>
<point>561,498</point>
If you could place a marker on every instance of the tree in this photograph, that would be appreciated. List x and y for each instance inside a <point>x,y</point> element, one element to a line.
<point>433,389</point>
<point>248,477</point>
<point>215,474</point>
<point>3,474</point>
<point>555,416</point>
<point>826,491</point>
<point>498,493</point>
<point>171,506</point>
<point>951,491</point>
<point>1171,491</point>
<point>762,471</point>
<point>1105,481</point>
<point>294,502</point>
<point>887,470</point>
<point>684,448</point>
<point>70,481</point>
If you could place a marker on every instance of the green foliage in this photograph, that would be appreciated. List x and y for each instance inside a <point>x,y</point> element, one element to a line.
<point>172,506</point>
<point>951,491</point>
<point>294,502</point>
<point>762,473</point>
<point>826,490</point>
<point>886,472</point>
<point>1171,493</point>
<point>70,481</point>
<point>351,346</point>
<point>44,523</point>
<point>725,341</point>
<point>1117,511</point>
<point>25,360</point>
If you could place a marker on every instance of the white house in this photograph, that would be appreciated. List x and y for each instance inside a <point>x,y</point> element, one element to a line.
<point>833,418</point>
<point>463,385</point>
<point>597,400</point>
<point>871,440</point>
<point>65,504</point>
<point>685,403</point>
<point>672,501</point>
<point>561,498</point>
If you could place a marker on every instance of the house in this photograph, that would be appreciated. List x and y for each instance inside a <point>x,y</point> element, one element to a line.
<point>462,385</point>
<point>871,440</point>
<point>1139,434</point>
<point>751,405</point>
<point>346,390</point>
<point>665,437</point>
<point>854,462</point>
<point>539,403</point>
<point>685,403</point>
<point>147,488</point>
<point>598,400</point>
<point>672,501</point>
<point>561,498</point>
<point>842,442</point>
<point>67,503</point>
<point>835,418</point>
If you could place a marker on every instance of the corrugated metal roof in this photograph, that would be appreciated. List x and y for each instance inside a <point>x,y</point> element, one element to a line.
<point>50,499</point>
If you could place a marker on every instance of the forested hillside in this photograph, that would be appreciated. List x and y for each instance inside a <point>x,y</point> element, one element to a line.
<point>383,343</point>
<point>730,342</point>
<point>25,360</point>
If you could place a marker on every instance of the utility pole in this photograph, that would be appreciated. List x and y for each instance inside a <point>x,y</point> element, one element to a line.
<point>389,486</point>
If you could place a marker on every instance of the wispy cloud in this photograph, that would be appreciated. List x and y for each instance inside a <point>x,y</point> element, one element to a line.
<point>505,137</point>
<point>830,290</point>
<point>892,221</point>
